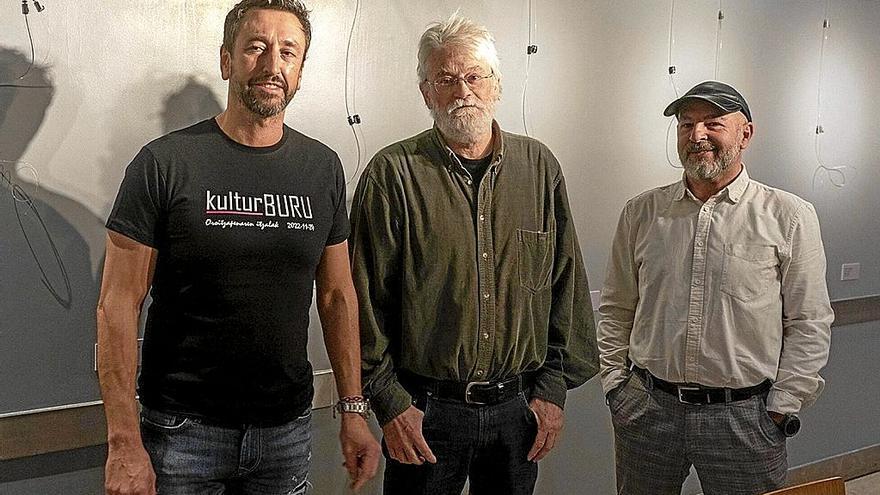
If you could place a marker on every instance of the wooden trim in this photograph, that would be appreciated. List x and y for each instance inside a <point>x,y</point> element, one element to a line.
<point>52,431</point>
<point>849,465</point>
<point>55,429</point>
<point>61,428</point>
<point>856,310</point>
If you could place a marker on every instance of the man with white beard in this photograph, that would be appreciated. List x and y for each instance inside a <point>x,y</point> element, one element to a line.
<point>474,305</point>
<point>715,319</point>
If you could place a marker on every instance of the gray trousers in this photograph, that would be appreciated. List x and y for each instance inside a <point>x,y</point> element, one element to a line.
<point>735,447</point>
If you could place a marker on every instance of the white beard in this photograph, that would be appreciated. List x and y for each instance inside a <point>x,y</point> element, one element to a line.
<point>467,125</point>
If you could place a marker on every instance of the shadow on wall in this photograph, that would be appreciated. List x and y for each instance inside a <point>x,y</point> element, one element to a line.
<point>48,288</point>
<point>143,114</point>
<point>192,103</point>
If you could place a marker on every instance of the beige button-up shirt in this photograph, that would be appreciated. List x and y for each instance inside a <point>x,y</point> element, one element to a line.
<point>726,293</point>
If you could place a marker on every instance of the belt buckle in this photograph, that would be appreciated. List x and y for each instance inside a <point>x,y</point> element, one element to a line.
<point>682,390</point>
<point>467,393</point>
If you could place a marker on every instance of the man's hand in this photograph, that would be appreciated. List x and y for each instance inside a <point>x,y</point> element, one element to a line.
<point>403,437</point>
<point>550,419</point>
<point>129,472</point>
<point>360,449</point>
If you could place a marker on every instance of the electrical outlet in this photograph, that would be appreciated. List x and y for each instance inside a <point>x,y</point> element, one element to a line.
<point>850,271</point>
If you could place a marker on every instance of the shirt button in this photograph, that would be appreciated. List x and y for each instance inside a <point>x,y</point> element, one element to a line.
<point>485,335</point>
<point>486,295</point>
<point>485,256</point>
<point>468,181</point>
<point>482,217</point>
<point>700,243</point>
<point>479,372</point>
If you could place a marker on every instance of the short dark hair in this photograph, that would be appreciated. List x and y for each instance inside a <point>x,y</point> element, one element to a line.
<point>234,17</point>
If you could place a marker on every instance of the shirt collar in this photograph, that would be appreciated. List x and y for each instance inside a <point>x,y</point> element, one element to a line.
<point>497,145</point>
<point>680,190</point>
<point>734,190</point>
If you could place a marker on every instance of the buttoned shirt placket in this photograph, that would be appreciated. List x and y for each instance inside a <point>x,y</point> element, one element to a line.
<point>485,264</point>
<point>697,295</point>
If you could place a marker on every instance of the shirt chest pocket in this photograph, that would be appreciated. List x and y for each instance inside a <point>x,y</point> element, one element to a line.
<point>535,252</point>
<point>748,270</point>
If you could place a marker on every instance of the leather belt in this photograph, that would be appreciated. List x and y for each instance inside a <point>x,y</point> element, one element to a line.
<point>698,394</point>
<point>475,393</point>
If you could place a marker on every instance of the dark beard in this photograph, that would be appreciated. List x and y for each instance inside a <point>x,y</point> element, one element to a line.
<point>264,107</point>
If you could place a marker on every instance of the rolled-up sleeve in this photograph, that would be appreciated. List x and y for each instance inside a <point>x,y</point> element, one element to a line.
<point>806,318</point>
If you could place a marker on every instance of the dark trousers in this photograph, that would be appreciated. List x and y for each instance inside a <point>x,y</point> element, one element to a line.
<point>487,444</point>
<point>735,447</point>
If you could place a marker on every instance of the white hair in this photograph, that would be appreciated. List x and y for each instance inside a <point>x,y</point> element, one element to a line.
<point>458,31</point>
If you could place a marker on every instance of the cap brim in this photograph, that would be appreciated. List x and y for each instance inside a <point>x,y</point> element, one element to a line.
<point>674,107</point>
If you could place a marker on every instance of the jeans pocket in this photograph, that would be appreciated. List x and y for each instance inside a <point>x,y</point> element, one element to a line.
<point>163,421</point>
<point>535,255</point>
<point>748,270</point>
<point>524,401</point>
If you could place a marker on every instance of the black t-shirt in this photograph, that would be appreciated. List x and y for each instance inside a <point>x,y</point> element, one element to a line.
<point>477,168</point>
<point>239,233</point>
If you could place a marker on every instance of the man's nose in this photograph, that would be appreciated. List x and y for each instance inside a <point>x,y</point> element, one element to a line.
<point>698,132</point>
<point>461,89</point>
<point>271,61</point>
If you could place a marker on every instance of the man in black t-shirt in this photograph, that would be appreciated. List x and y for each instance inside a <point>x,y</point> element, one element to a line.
<point>229,223</point>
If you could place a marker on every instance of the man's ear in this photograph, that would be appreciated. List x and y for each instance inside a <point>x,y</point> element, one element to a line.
<point>748,131</point>
<point>225,63</point>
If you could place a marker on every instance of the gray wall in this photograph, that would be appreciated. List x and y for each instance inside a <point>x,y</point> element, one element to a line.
<point>117,74</point>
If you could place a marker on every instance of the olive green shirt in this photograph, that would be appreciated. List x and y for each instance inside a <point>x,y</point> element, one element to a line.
<point>450,294</point>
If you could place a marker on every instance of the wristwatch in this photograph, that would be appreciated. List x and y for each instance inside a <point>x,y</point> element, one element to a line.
<point>790,425</point>
<point>354,404</point>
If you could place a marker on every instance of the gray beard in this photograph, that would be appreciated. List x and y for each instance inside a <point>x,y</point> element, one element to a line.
<point>465,128</point>
<point>708,170</point>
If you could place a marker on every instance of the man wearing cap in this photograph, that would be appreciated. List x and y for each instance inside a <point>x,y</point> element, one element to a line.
<point>715,319</point>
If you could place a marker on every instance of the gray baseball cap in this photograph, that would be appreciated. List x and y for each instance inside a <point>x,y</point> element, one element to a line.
<point>717,93</point>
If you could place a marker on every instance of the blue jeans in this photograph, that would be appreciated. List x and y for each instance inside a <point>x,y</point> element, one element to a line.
<point>194,458</point>
<point>488,444</point>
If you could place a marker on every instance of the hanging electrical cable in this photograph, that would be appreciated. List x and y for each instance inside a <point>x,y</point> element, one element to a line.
<point>836,175</point>
<point>25,10</point>
<point>25,208</point>
<point>672,69</point>
<point>671,73</point>
<point>6,179</point>
<point>718,43</point>
<point>354,119</point>
<point>531,49</point>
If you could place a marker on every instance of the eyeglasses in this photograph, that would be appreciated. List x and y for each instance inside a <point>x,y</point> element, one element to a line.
<point>473,81</point>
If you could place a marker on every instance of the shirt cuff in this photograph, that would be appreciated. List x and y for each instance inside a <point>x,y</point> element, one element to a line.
<point>782,402</point>
<point>550,387</point>
<point>613,378</point>
<point>390,402</point>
